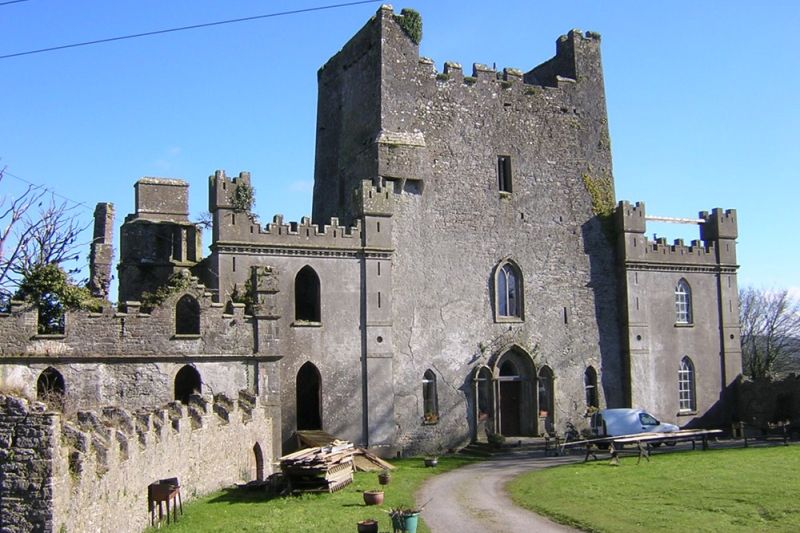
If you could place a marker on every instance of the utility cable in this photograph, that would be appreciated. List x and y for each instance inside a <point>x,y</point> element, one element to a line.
<point>183,28</point>
<point>11,2</point>
<point>48,189</point>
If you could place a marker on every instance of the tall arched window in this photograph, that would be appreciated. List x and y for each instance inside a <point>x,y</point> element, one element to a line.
<point>590,385</point>
<point>306,295</point>
<point>686,386</point>
<point>683,302</point>
<point>508,291</point>
<point>50,387</point>
<point>187,382</point>
<point>309,397</point>
<point>430,400</point>
<point>187,316</point>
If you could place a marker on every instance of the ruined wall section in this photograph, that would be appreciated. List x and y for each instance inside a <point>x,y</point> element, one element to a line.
<point>92,473</point>
<point>655,343</point>
<point>130,357</point>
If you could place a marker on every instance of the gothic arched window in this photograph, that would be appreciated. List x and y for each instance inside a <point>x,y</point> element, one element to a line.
<point>686,386</point>
<point>306,295</point>
<point>430,399</point>
<point>508,291</point>
<point>683,302</point>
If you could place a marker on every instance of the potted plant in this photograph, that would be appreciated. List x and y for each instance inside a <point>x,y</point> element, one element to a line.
<point>369,525</point>
<point>404,519</point>
<point>496,440</point>
<point>384,477</point>
<point>373,497</point>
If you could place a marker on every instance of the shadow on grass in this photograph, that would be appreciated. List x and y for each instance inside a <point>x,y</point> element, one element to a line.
<point>232,495</point>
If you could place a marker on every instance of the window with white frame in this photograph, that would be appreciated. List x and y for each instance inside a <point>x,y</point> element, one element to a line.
<point>686,389</point>
<point>508,291</point>
<point>683,303</point>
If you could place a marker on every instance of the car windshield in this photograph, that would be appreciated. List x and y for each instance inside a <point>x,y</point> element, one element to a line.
<point>647,419</point>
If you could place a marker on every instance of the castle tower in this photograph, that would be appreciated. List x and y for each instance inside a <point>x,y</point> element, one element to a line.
<point>101,255</point>
<point>158,239</point>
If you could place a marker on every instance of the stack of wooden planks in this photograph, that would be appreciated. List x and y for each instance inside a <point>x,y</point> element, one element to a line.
<point>319,469</point>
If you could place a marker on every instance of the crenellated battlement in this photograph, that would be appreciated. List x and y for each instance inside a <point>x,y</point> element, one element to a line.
<point>635,246</point>
<point>222,189</point>
<point>374,199</point>
<point>129,331</point>
<point>100,463</point>
<point>232,227</point>
<point>113,430</point>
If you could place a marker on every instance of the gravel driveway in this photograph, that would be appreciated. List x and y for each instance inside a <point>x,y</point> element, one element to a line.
<point>473,498</point>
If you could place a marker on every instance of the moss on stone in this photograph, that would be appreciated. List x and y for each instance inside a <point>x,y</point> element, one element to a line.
<point>411,23</point>
<point>601,191</point>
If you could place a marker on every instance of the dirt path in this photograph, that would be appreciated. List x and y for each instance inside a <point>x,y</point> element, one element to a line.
<point>473,498</point>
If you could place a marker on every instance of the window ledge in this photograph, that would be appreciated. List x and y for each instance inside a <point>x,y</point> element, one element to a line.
<point>185,336</point>
<point>687,413</point>
<point>429,422</point>
<point>509,320</point>
<point>306,324</point>
<point>505,195</point>
<point>684,324</point>
<point>50,336</point>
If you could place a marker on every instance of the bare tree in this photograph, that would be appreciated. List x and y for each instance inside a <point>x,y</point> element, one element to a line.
<point>770,331</point>
<point>35,230</point>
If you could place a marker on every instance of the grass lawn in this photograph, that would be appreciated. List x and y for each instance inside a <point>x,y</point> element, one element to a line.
<point>753,489</point>
<point>240,510</point>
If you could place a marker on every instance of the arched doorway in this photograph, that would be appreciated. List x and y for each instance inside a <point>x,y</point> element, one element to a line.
<point>309,397</point>
<point>259,455</point>
<point>50,387</point>
<point>187,382</point>
<point>515,399</point>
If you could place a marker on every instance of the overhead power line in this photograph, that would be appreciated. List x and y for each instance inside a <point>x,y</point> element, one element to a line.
<point>11,2</point>
<point>48,189</point>
<point>184,28</point>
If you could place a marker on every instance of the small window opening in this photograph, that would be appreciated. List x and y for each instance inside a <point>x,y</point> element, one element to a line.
<point>379,299</point>
<point>233,264</point>
<point>187,316</point>
<point>504,173</point>
<point>50,388</point>
<point>590,385</point>
<point>429,397</point>
<point>50,315</point>
<point>187,382</point>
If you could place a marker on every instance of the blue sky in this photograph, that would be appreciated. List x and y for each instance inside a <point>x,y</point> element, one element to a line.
<point>701,100</point>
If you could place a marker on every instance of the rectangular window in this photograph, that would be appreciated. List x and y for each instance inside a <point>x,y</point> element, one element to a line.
<point>504,173</point>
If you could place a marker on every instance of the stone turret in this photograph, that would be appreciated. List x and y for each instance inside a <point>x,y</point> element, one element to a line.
<point>158,239</point>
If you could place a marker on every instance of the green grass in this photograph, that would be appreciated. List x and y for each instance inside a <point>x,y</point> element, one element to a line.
<point>240,510</point>
<point>755,489</point>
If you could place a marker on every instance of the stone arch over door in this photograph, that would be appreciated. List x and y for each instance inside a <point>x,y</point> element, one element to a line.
<point>187,382</point>
<point>309,397</point>
<point>514,394</point>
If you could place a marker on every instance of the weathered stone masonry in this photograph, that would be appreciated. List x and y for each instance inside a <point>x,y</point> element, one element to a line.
<point>467,271</point>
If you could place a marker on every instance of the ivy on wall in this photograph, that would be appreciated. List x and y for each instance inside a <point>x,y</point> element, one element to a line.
<point>177,282</point>
<point>601,191</point>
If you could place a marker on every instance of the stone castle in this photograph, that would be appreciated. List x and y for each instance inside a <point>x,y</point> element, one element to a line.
<point>465,272</point>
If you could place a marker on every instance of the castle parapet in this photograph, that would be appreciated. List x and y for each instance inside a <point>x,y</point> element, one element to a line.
<point>720,224</point>
<point>374,199</point>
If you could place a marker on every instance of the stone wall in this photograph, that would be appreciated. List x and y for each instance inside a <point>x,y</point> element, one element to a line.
<point>92,473</point>
<point>766,401</point>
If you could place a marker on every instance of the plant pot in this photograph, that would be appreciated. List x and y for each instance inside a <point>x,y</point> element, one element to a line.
<point>430,462</point>
<point>384,478</point>
<point>368,526</point>
<point>373,497</point>
<point>406,523</point>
